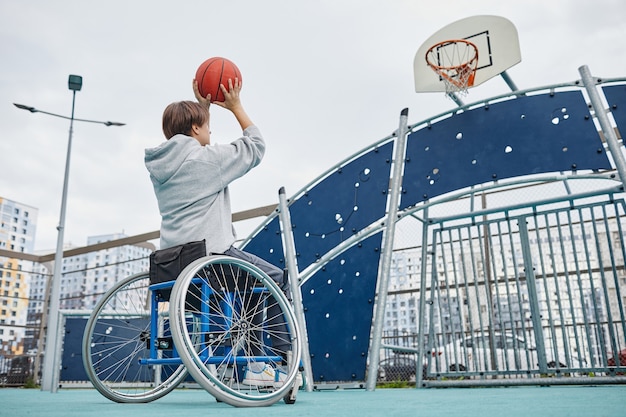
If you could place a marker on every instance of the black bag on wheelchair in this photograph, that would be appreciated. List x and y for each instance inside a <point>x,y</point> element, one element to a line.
<point>167,264</point>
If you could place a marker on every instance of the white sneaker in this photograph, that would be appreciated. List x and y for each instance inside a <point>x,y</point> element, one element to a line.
<point>266,377</point>
<point>298,381</point>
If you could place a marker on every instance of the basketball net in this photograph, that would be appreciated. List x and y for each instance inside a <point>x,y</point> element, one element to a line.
<point>455,62</point>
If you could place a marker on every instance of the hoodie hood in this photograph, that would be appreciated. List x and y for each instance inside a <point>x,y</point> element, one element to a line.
<point>166,159</point>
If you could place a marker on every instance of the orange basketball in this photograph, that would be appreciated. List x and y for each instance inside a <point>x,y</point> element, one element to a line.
<point>213,72</point>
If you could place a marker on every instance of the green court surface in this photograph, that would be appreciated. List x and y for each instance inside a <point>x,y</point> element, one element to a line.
<point>558,401</point>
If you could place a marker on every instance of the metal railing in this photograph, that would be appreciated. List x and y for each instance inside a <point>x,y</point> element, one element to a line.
<point>512,296</point>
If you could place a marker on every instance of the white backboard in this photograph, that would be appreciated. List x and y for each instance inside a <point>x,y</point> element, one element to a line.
<point>498,49</point>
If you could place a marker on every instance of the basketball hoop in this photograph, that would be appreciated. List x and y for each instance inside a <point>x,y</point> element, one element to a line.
<point>455,62</point>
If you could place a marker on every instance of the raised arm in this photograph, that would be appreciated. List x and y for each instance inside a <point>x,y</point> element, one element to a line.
<point>232,102</point>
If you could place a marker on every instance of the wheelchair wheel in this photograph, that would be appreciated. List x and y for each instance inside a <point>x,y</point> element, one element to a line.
<point>117,337</point>
<point>235,331</point>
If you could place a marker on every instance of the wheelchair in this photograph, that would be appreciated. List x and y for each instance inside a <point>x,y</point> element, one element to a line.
<point>215,322</point>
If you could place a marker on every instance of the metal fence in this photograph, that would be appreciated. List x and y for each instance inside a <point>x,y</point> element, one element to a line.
<point>525,292</point>
<point>17,371</point>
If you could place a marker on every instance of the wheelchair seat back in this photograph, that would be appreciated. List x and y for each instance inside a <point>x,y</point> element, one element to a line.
<point>167,264</point>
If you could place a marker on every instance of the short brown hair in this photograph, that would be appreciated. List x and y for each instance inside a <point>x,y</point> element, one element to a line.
<point>179,117</point>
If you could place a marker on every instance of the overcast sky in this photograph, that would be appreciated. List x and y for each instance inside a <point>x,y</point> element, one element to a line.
<point>322,79</point>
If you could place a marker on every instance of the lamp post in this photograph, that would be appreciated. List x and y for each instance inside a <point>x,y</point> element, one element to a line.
<point>52,357</point>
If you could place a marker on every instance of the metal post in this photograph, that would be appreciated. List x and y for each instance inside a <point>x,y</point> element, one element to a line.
<point>456,99</point>
<point>605,124</point>
<point>43,320</point>
<point>294,283</point>
<point>52,356</point>
<point>535,309</point>
<point>385,264</point>
<point>51,363</point>
<point>421,317</point>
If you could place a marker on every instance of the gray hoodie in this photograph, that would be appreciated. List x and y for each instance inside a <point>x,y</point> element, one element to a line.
<point>191,186</point>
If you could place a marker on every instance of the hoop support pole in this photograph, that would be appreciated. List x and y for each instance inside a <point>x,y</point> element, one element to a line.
<point>456,99</point>
<point>507,79</point>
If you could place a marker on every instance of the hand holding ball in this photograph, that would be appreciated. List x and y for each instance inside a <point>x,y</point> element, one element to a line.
<point>213,72</point>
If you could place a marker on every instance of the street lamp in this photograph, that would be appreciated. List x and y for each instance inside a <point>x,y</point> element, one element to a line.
<point>52,356</point>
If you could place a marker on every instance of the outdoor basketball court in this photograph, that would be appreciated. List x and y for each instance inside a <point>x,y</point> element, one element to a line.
<point>606,401</point>
<point>458,57</point>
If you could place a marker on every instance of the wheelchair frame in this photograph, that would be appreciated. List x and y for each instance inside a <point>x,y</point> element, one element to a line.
<point>136,348</point>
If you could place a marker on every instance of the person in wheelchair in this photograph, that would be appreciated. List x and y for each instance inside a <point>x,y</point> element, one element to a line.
<point>190,177</point>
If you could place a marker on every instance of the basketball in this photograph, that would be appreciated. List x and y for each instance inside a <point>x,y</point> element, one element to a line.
<point>213,72</point>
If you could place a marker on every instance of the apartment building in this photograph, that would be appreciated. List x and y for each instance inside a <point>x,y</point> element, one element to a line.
<point>18,225</point>
<point>86,277</point>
